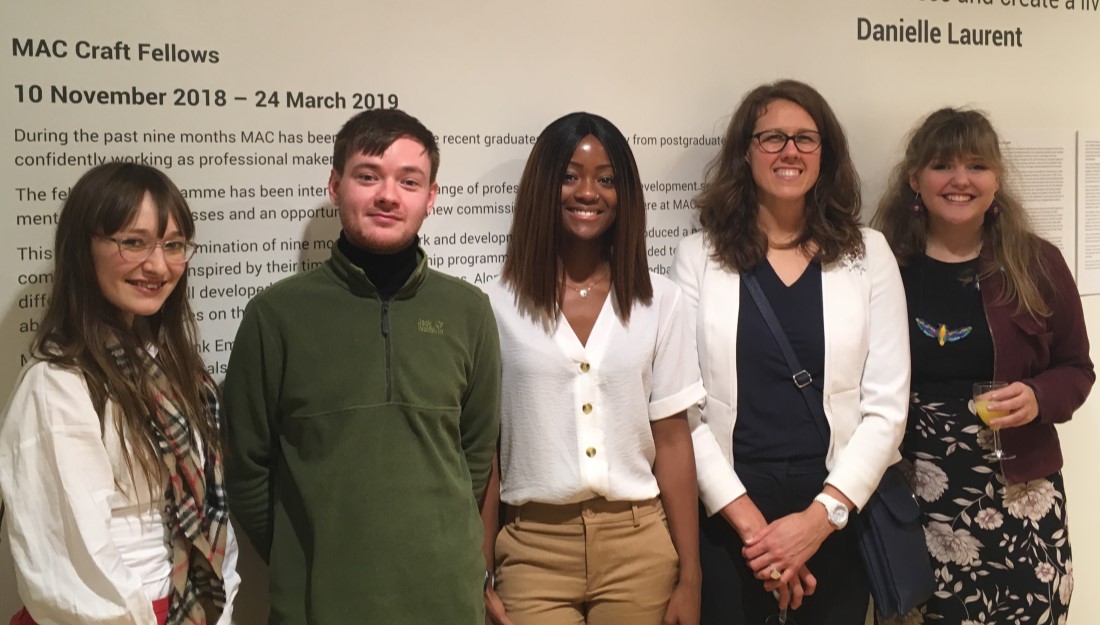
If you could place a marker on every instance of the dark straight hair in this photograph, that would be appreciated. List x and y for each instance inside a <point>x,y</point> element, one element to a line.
<point>531,262</point>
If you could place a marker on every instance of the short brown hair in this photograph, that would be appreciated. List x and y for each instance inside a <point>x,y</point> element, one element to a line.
<point>373,132</point>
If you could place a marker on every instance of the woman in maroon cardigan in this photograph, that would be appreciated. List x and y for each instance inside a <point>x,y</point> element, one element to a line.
<point>988,300</point>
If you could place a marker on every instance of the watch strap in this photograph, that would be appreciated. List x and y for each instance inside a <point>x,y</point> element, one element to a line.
<point>832,504</point>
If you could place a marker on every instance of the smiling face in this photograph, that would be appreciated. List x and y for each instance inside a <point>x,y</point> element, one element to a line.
<point>957,192</point>
<point>588,195</point>
<point>788,175</point>
<point>384,199</point>
<point>137,288</point>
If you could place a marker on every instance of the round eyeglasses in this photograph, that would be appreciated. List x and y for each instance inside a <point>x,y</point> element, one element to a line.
<point>136,249</point>
<point>773,141</point>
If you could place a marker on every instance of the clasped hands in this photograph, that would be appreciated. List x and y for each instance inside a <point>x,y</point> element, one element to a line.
<point>777,552</point>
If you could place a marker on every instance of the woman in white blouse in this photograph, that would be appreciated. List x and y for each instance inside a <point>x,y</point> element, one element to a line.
<point>785,459</point>
<point>110,451</point>
<point>598,373</point>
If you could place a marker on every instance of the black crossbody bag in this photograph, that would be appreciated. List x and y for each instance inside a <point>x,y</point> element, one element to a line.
<point>891,539</point>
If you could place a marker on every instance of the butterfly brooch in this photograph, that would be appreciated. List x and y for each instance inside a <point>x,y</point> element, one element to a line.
<point>941,333</point>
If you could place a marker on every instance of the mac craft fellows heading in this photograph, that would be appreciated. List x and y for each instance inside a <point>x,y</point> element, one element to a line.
<point>923,31</point>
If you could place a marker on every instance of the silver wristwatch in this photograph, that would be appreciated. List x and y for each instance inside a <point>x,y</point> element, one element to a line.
<point>835,509</point>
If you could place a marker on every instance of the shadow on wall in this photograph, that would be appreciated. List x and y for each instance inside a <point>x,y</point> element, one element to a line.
<point>252,603</point>
<point>9,599</point>
<point>319,236</point>
<point>251,606</point>
<point>22,319</point>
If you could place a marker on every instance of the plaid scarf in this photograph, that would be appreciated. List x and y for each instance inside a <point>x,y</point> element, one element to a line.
<point>197,505</point>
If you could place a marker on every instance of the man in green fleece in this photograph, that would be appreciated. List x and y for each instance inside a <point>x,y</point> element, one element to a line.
<point>362,399</point>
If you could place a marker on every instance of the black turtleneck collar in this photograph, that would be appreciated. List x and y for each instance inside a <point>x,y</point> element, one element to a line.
<point>387,272</point>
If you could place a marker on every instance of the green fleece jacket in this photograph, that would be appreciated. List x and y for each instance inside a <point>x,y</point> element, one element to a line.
<point>361,434</point>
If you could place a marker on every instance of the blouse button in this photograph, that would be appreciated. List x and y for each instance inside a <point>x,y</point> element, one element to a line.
<point>586,409</point>
<point>585,367</point>
<point>590,452</point>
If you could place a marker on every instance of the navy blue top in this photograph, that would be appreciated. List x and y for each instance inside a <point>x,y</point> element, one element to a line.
<point>773,421</point>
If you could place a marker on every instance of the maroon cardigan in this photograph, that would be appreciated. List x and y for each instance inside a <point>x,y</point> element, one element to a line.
<point>1051,355</point>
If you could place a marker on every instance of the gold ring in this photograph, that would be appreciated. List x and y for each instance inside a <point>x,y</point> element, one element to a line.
<point>775,574</point>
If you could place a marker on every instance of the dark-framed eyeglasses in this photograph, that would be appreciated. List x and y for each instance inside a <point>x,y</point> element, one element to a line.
<point>137,249</point>
<point>773,141</point>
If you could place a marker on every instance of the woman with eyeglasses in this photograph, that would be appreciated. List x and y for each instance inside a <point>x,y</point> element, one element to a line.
<point>110,446</point>
<point>788,449</point>
<point>988,300</point>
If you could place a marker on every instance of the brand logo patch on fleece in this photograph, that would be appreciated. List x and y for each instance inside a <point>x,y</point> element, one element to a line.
<point>430,327</point>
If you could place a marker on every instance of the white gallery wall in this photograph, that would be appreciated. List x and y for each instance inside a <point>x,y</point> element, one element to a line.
<point>238,102</point>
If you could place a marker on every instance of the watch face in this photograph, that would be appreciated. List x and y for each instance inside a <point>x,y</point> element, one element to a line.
<point>839,516</point>
<point>835,511</point>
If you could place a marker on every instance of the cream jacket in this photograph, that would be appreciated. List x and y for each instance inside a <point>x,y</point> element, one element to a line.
<point>89,543</point>
<point>866,382</point>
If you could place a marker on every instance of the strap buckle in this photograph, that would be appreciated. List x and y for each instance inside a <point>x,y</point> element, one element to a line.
<point>802,379</point>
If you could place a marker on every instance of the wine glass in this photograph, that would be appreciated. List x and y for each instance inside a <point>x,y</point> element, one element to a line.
<point>982,399</point>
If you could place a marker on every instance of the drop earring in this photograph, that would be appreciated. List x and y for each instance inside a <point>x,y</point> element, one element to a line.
<point>995,208</point>
<point>917,205</point>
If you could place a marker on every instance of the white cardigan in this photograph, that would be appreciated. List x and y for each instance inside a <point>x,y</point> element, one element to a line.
<point>866,382</point>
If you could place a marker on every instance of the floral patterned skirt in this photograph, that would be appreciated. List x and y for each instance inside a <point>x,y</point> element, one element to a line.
<point>1000,552</point>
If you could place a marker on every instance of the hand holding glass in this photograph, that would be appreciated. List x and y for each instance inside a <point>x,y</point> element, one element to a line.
<point>983,392</point>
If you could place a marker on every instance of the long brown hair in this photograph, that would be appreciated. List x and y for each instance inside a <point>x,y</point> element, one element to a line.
<point>79,320</point>
<point>531,261</point>
<point>728,206</point>
<point>944,135</point>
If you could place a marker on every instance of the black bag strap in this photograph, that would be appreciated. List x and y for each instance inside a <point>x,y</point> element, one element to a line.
<point>799,376</point>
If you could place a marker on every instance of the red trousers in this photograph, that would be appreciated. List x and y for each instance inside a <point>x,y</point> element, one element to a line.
<point>160,608</point>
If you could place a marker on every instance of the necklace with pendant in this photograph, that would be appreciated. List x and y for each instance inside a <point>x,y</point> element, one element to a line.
<point>586,289</point>
<point>967,276</point>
